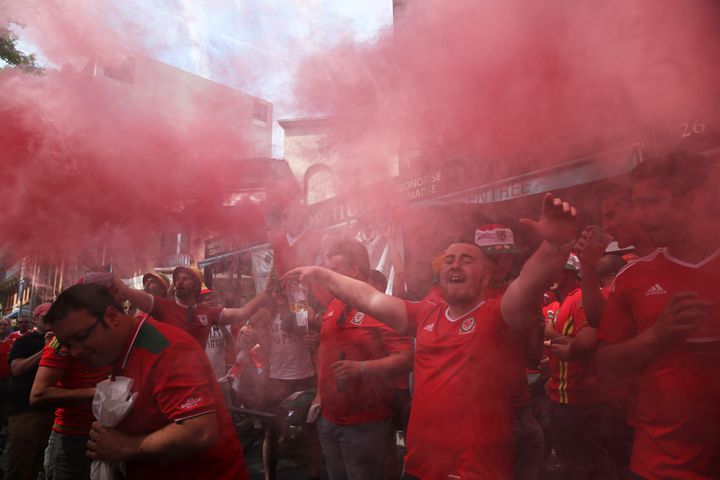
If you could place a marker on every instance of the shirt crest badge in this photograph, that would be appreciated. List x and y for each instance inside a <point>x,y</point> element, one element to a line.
<point>467,325</point>
<point>357,318</point>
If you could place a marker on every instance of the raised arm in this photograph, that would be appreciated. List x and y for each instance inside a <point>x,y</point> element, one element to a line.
<point>243,314</point>
<point>387,309</point>
<point>557,227</point>
<point>139,298</point>
<point>589,252</point>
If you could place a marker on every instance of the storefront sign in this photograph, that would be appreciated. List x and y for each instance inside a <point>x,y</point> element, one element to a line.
<point>420,187</point>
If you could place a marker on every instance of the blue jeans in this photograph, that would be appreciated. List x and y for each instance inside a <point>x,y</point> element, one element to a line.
<point>65,457</point>
<point>356,452</point>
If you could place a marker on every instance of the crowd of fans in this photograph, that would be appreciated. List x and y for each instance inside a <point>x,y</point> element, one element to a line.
<point>585,365</point>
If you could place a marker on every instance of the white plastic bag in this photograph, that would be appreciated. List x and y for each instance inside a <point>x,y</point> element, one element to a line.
<point>111,403</point>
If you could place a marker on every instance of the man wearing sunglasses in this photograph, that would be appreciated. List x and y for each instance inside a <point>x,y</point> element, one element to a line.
<point>28,426</point>
<point>178,426</point>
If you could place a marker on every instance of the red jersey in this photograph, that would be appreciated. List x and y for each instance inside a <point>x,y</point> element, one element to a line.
<point>521,391</point>
<point>196,320</point>
<point>73,418</point>
<point>5,346</point>
<point>675,410</point>
<point>175,382</point>
<point>461,419</point>
<point>573,382</point>
<point>347,334</point>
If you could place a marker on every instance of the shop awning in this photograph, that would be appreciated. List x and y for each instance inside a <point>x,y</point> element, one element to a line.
<point>585,170</point>
<point>218,258</point>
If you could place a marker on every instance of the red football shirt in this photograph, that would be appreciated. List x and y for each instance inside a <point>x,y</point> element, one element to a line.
<point>521,391</point>
<point>175,382</point>
<point>196,320</point>
<point>461,419</point>
<point>5,346</point>
<point>572,382</point>
<point>351,335</point>
<point>676,407</point>
<point>73,418</point>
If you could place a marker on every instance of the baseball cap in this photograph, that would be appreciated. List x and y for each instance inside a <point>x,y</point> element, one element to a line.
<point>495,239</point>
<point>160,277</point>
<point>41,309</point>
<point>573,263</point>
<point>194,271</point>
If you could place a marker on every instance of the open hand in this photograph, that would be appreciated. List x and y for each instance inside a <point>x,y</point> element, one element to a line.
<point>558,221</point>
<point>588,249</point>
<point>305,275</point>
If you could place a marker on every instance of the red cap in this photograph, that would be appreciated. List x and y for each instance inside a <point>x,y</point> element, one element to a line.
<point>41,309</point>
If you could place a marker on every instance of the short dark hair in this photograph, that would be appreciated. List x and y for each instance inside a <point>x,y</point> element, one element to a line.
<point>680,171</point>
<point>355,252</point>
<point>95,299</point>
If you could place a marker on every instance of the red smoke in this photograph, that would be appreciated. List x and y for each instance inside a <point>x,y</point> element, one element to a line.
<point>520,84</point>
<point>90,161</point>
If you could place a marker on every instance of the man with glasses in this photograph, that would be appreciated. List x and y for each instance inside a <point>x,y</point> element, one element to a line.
<point>178,426</point>
<point>29,427</point>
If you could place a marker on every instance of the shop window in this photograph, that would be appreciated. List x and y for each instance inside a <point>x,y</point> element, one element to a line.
<point>260,112</point>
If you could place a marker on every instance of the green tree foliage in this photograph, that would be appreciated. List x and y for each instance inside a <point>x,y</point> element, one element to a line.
<point>10,54</point>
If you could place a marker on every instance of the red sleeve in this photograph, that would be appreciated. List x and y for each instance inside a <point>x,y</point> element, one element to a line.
<point>617,324</point>
<point>182,387</point>
<point>54,355</point>
<point>159,310</point>
<point>416,313</point>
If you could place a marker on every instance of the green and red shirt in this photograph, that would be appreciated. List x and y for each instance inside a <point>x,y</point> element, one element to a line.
<point>175,382</point>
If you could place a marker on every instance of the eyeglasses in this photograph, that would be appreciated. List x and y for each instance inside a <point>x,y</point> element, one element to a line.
<point>83,335</point>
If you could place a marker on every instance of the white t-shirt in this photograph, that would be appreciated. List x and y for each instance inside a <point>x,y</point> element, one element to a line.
<point>215,350</point>
<point>289,357</point>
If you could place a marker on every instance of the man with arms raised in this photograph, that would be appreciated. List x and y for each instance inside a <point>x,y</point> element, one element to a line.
<point>185,311</point>
<point>462,418</point>
<point>661,323</point>
<point>179,426</point>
